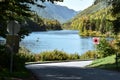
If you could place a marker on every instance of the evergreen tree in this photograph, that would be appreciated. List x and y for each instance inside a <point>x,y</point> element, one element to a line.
<point>16,10</point>
<point>116,14</point>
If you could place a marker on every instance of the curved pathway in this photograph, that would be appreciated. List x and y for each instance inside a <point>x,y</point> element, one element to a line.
<point>71,71</point>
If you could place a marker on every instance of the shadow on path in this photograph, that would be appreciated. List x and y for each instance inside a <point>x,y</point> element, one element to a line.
<point>44,72</point>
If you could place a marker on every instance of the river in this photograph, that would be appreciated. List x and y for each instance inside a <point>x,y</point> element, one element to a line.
<point>65,40</point>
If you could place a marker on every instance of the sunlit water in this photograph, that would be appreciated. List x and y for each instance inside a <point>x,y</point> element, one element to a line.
<point>65,40</point>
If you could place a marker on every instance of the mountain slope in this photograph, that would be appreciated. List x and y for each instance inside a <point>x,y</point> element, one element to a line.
<point>93,21</point>
<point>54,11</point>
<point>92,9</point>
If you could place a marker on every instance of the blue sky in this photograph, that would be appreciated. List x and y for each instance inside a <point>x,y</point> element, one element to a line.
<point>76,4</point>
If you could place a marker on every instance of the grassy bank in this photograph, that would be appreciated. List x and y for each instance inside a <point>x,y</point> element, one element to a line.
<point>105,63</point>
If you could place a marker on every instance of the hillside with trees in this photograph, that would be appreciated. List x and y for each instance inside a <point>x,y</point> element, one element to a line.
<point>37,23</point>
<point>96,20</point>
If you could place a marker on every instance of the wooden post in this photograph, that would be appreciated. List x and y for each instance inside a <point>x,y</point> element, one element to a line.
<point>13,42</point>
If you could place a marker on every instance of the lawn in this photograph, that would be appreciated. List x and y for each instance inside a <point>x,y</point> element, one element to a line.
<point>106,63</point>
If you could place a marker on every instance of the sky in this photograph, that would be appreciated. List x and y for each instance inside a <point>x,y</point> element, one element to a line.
<point>76,4</point>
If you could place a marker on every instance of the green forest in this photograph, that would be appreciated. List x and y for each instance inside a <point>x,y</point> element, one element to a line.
<point>37,23</point>
<point>97,20</point>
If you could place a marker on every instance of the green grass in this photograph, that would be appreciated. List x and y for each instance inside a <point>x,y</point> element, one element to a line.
<point>105,63</point>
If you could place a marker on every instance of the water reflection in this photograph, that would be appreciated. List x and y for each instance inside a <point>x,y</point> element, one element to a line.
<point>66,40</point>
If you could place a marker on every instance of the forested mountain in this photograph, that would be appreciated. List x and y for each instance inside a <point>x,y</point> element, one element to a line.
<point>37,23</point>
<point>48,18</point>
<point>97,5</point>
<point>93,21</point>
<point>54,11</point>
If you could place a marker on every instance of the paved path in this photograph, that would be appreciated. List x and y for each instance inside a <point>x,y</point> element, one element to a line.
<point>71,71</point>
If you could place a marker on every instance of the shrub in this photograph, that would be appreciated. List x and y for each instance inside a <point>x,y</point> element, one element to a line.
<point>74,56</point>
<point>104,48</point>
<point>26,54</point>
<point>37,57</point>
<point>57,55</point>
<point>53,55</point>
<point>4,58</point>
<point>19,59</point>
<point>89,55</point>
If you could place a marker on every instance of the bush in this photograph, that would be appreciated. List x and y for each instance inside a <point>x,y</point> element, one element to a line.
<point>57,56</point>
<point>74,56</point>
<point>53,55</point>
<point>19,59</point>
<point>89,55</point>
<point>104,48</point>
<point>4,58</point>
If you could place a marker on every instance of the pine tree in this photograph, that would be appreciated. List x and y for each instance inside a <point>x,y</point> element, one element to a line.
<point>116,14</point>
<point>16,10</point>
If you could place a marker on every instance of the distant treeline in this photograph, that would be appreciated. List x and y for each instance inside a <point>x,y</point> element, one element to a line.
<point>37,23</point>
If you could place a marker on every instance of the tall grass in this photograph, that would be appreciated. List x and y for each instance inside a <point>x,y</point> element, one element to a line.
<point>89,55</point>
<point>57,55</point>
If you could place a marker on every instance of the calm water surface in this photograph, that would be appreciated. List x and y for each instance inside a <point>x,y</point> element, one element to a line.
<point>65,40</point>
